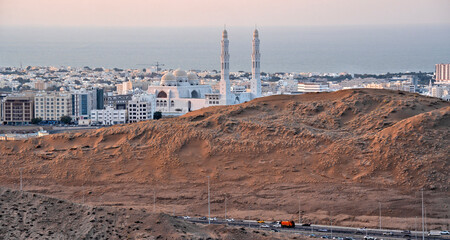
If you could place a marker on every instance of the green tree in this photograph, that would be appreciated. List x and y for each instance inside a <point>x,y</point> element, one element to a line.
<point>36,120</point>
<point>157,115</point>
<point>66,119</point>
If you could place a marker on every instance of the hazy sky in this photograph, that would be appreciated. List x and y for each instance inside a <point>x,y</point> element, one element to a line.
<point>219,12</point>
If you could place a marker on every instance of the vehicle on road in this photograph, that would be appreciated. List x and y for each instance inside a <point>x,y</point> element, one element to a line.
<point>445,233</point>
<point>361,230</point>
<point>388,233</point>
<point>260,221</point>
<point>306,224</point>
<point>323,230</point>
<point>434,233</point>
<point>277,225</point>
<point>203,218</point>
<point>312,235</point>
<point>349,238</point>
<point>369,238</point>
<point>230,220</point>
<point>287,224</point>
<point>186,217</point>
<point>265,226</point>
<point>213,219</point>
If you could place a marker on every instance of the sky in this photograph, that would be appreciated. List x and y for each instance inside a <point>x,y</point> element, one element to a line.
<point>178,13</point>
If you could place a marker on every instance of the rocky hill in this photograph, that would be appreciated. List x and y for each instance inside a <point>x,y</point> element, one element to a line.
<point>353,146</point>
<point>33,216</point>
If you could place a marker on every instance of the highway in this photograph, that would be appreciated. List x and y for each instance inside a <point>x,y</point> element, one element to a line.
<point>337,231</point>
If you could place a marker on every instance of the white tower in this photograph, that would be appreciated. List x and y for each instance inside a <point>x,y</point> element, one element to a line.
<point>255,83</point>
<point>225,86</point>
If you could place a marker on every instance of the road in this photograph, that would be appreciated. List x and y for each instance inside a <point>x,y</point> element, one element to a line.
<point>337,231</point>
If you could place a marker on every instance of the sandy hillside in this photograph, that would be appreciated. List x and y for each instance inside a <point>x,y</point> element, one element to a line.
<point>33,216</point>
<point>340,153</point>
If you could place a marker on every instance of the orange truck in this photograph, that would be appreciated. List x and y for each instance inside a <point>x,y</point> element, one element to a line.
<point>287,224</point>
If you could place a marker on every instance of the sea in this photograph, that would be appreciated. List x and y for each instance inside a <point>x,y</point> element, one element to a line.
<point>325,49</point>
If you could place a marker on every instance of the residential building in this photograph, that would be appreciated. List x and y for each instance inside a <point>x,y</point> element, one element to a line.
<point>51,106</point>
<point>117,101</point>
<point>108,116</point>
<point>443,73</point>
<point>141,107</point>
<point>18,109</point>
<point>313,87</point>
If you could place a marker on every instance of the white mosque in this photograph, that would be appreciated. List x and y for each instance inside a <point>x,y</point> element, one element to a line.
<point>180,92</point>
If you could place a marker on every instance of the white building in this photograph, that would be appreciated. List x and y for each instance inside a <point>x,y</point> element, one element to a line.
<point>180,92</point>
<point>141,107</point>
<point>51,106</point>
<point>313,87</point>
<point>108,116</point>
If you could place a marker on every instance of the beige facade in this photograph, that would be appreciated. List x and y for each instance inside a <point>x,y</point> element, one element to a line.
<point>442,72</point>
<point>17,110</point>
<point>52,106</point>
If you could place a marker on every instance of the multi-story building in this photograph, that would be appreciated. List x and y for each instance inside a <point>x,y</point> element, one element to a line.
<point>18,109</point>
<point>1,107</point>
<point>117,101</point>
<point>141,107</point>
<point>51,106</point>
<point>443,73</point>
<point>313,87</point>
<point>108,116</point>
<point>83,101</point>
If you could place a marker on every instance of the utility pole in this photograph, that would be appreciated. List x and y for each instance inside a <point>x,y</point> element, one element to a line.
<point>21,182</point>
<point>209,205</point>
<point>299,212</point>
<point>379,203</point>
<point>423,224</point>
<point>331,220</point>
<point>225,207</point>
<point>154,201</point>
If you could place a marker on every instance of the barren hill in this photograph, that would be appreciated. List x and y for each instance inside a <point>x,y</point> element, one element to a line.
<point>33,216</point>
<point>339,152</point>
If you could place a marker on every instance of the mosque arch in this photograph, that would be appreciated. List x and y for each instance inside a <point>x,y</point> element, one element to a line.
<point>194,94</point>
<point>162,94</point>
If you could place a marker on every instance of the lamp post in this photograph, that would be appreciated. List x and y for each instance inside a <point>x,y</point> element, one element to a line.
<point>209,204</point>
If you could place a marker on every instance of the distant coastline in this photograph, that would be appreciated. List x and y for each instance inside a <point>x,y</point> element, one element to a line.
<point>374,49</point>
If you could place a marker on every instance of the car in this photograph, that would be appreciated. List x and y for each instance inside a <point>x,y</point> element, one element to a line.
<point>323,230</point>
<point>265,226</point>
<point>306,224</point>
<point>312,235</point>
<point>349,238</point>
<point>388,233</point>
<point>277,225</point>
<point>406,232</point>
<point>369,238</point>
<point>186,217</point>
<point>274,230</point>
<point>325,237</point>
<point>213,219</point>
<point>203,218</point>
<point>445,233</point>
<point>260,221</point>
<point>230,220</point>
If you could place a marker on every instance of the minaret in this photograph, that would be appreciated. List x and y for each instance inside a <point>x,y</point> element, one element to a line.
<point>225,86</point>
<point>255,83</point>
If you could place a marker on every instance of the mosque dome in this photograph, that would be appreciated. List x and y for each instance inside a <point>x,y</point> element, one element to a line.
<point>180,73</point>
<point>192,78</point>
<point>168,79</point>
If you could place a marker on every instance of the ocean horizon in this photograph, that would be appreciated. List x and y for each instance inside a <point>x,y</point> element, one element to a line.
<point>353,49</point>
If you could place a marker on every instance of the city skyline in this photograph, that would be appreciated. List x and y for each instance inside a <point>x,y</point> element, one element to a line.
<point>140,13</point>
